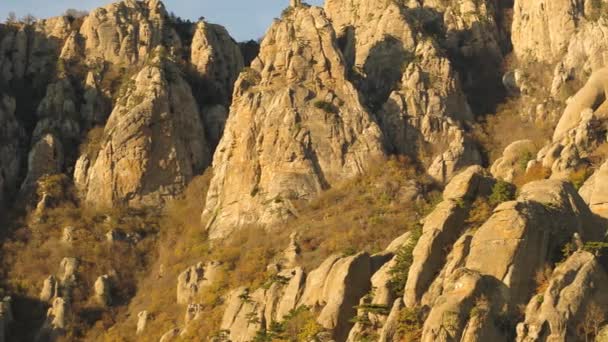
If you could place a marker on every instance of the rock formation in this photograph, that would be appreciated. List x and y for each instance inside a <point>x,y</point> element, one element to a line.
<point>127,32</point>
<point>11,135</point>
<point>217,57</point>
<point>102,288</point>
<point>573,296</point>
<point>152,145</point>
<point>514,160</point>
<point>191,282</point>
<point>296,127</point>
<point>142,321</point>
<point>56,321</point>
<point>542,29</point>
<point>595,193</point>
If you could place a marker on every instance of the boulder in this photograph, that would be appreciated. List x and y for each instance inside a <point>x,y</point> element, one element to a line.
<point>346,283</point>
<point>514,160</point>
<point>142,322</point>
<point>546,215</point>
<point>55,324</point>
<point>591,96</point>
<point>103,287</point>
<point>442,228</point>
<point>170,335</point>
<point>389,331</point>
<point>450,319</point>
<point>595,191</point>
<point>192,281</point>
<point>575,297</point>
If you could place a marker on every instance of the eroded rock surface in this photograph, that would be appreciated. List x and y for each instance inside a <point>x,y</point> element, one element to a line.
<point>152,146</point>
<point>296,127</point>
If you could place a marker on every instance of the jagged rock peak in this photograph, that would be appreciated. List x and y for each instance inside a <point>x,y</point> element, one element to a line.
<point>126,32</point>
<point>152,145</point>
<point>217,57</point>
<point>296,127</point>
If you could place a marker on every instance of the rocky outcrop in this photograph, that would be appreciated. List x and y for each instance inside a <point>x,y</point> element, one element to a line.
<point>152,145</point>
<point>542,29</point>
<point>296,127</point>
<point>334,289</point>
<point>580,130</point>
<point>127,32</point>
<point>191,282</point>
<point>49,289</point>
<point>442,228</point>
<point>32,50</point>
<point>516,263</point>
<point>11,138</point>
<point>592,96</point>
<point>514,160</point>
<point>420,99</point>
<point>217,57</point>
<point>459,313</point>
<point>142,321</point>
<point>58,112</point>
<point>595,191</point>
<point>103,287</point>
<point>574,296</point>
<point>55,324</point>
<point>45,159</point>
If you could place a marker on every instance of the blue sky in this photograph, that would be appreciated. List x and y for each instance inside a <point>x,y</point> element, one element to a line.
<point>245,19</point>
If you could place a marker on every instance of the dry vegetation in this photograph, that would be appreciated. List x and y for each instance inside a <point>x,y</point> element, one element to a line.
<point>365,213</point>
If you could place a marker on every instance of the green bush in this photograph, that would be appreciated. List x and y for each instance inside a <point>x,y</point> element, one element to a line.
<point>502,192</point>
<point>327,107</point>
<point>404,259</point>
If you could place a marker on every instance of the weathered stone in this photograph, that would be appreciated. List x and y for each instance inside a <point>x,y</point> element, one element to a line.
<point>152,146</point>
<point>447,320</point>
<point>56,321</point>
<point>390,328</point>
<point>170,335</point>
<point>523,236</point>
<point>68,235</point>
<point>595,191</point>
<point>50,289</point>
<point>542,29</point>
<point>142,322</point>
<point>441,229</point>
<point>591,96</point>
<point>45,158</point>
<point>217,57</point>
<point>103,287</point>
<point>192,281</point>
<point>514,160</point>
<point>127,32</point>
<point>309,129</point>
<point>575,295</point>
<point>472,182</point>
